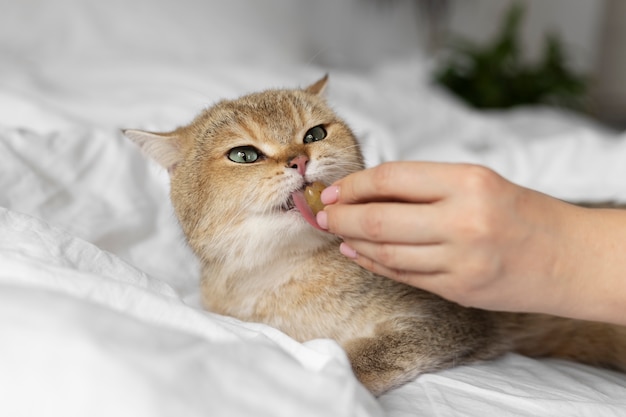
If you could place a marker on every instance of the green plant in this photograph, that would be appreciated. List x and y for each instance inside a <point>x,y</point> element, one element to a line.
<point>496,76</point>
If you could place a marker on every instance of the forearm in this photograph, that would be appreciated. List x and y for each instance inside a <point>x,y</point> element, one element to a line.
<point>592,265</point>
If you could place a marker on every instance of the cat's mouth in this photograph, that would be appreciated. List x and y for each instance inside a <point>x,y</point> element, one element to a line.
<point>296,201</point>
<point>290,203</point>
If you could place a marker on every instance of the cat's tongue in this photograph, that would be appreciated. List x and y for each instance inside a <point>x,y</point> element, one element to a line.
<point>304,209</point>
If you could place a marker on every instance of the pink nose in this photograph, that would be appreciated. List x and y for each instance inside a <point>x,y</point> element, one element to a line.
<point>299,163</point>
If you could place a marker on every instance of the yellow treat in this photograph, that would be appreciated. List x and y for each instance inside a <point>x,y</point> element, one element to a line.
<point>312,196</point>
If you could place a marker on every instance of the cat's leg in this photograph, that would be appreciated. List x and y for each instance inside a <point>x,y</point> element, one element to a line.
<point>404,348</point>
<point>593,343</point>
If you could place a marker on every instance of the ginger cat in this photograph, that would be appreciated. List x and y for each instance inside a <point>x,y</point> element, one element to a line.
<point>237,174</point>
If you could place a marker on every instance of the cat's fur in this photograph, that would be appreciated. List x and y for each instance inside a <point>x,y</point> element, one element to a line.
<point>262,262</point>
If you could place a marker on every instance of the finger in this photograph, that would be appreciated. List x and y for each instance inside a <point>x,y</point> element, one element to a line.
<point>416,182</point>
<point>386,222</point>
<point>423,259</point>
<point>440,283</point>
<point>425,281</point>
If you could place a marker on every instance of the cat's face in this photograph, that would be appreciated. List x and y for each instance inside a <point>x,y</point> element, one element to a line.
<point>235,167</point>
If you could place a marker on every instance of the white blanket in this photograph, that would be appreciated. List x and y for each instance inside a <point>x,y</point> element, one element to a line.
<point>99,309</point>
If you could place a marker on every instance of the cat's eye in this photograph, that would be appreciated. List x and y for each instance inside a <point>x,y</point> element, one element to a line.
<point>244,154</point>
<point>314,134</point>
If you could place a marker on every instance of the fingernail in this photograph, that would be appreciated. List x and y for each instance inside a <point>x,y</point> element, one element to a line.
<point>330,194</point>
<point>346,250</point>
<point>322,219</point>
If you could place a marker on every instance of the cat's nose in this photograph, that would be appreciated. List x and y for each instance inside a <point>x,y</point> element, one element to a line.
<point>299,163</point>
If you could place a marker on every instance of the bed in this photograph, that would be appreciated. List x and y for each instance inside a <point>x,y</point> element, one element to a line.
<point>99,304</point>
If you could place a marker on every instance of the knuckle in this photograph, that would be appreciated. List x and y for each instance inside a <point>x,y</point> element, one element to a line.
<point>481,187</point>
<point>373,223</point>
<point>349,191</point>
<point>366,263</point>
<point>479,180</point>
<point>383,176</point>
<point>404,277</point>
<point>386,254</point>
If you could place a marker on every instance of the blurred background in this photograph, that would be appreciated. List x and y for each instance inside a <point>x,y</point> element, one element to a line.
<point>588,64</point>
<point>491,53</point>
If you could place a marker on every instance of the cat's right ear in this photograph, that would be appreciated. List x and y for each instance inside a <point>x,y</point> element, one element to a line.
<point>164,148</point>
<point>318,87</point>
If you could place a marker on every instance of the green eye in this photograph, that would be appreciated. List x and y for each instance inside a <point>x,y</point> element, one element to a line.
<point>314,134</point>
<point>243,154</point>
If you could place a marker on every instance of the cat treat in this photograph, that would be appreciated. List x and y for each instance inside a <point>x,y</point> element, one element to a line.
<point>312,194</point>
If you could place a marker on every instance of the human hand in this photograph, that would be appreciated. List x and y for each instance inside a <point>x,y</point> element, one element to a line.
<point>458,230</point>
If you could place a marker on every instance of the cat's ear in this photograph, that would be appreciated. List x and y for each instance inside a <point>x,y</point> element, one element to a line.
<point>318,87</point>
<point>164,148</point>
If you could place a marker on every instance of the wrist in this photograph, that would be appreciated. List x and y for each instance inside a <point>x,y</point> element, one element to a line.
<point>590,266</point>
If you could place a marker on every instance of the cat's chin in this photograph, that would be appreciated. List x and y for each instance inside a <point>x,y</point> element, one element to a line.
<point>300,224</point>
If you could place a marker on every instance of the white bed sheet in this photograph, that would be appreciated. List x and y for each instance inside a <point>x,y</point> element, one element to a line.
<point>99,302</point>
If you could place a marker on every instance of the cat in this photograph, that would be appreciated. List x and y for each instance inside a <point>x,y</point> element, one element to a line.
<point>237,173</point>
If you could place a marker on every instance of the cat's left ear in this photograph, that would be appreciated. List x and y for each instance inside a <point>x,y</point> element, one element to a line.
<point>318,87</point>
<point>164,148</point>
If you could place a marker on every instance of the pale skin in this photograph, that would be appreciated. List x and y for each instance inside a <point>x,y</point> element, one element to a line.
<point>467,234</point>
